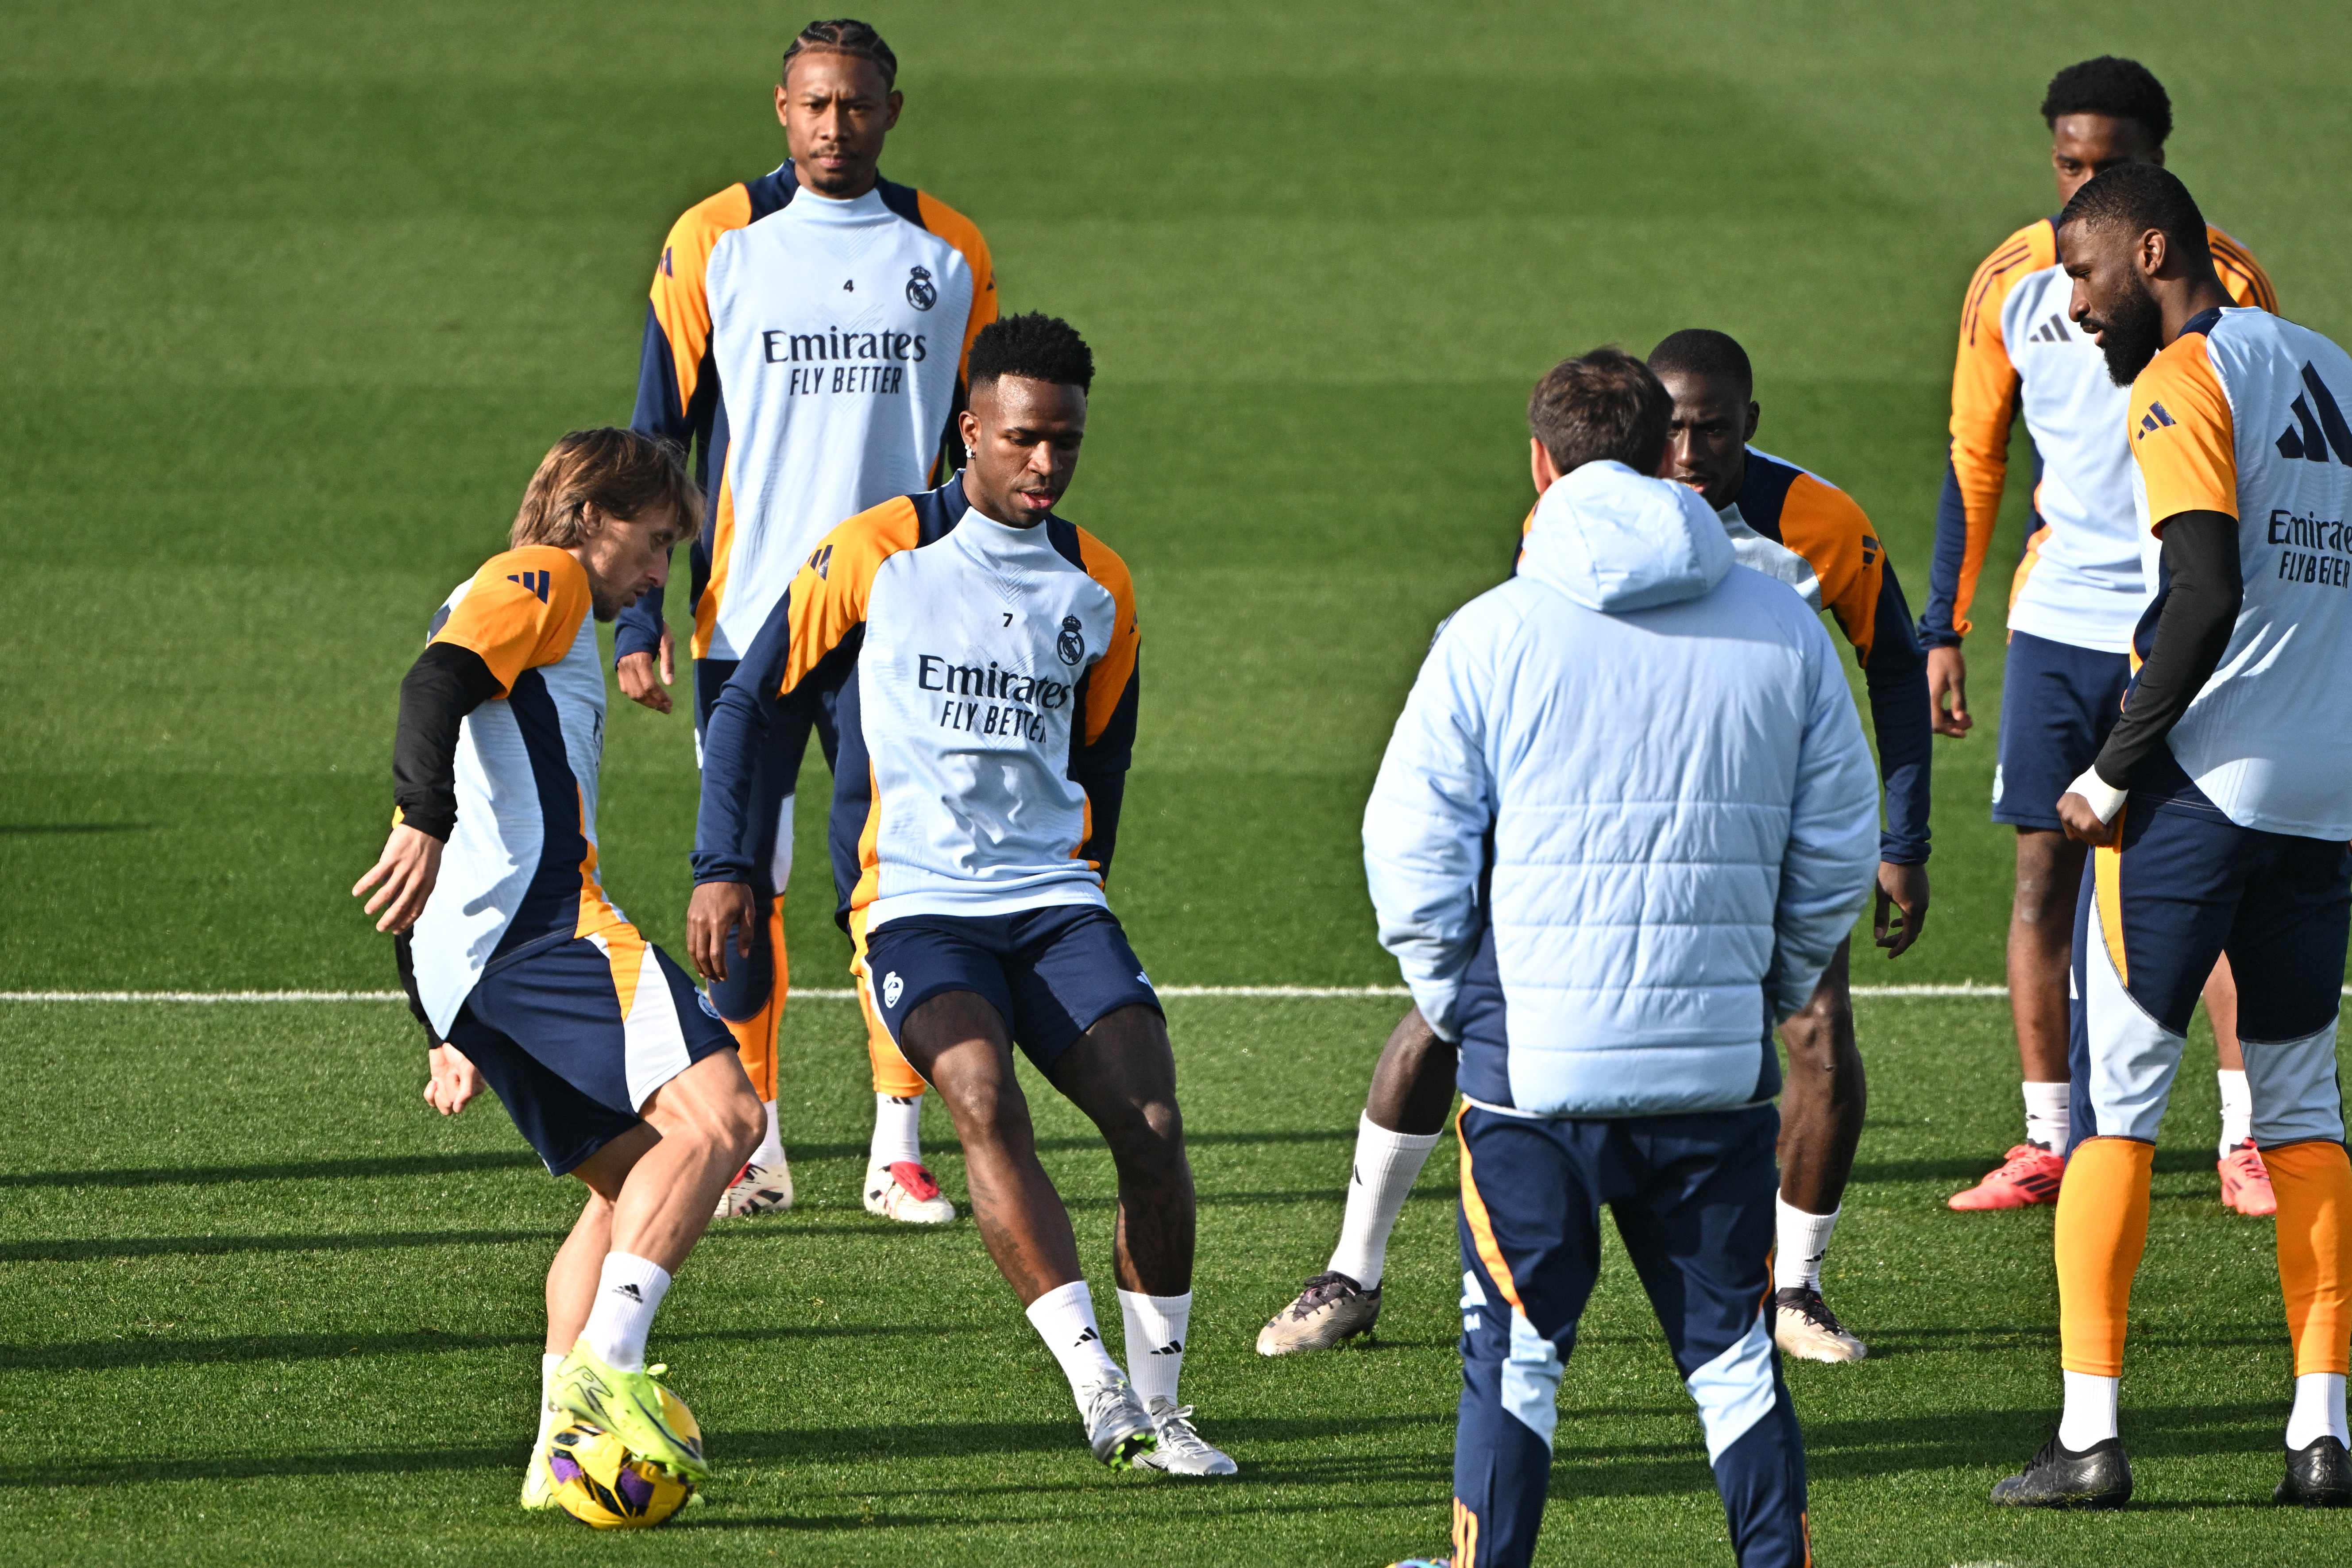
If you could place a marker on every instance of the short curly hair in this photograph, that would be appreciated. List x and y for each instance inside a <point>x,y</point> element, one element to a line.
<point>1598,406</point>
<point>2144,196</point>
<point>2117,88</point>
<point>1032,346</point>
<point>843,36</point>
<point>1701,351</point>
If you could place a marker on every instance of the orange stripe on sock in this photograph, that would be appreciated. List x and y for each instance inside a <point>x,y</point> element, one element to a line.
<point>2102,1232</point>
<point>1482,1227</point>
<point>2314,1183</point>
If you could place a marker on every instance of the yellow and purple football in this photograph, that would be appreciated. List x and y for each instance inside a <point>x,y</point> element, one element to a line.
<point>599,1483</point>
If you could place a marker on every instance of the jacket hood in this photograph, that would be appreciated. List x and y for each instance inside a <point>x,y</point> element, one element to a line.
<point>1614,541</point>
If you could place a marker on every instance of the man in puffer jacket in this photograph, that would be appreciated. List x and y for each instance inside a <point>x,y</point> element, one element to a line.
<point>1626,817</point>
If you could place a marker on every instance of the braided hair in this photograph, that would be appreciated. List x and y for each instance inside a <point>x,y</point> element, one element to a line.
<point>843,36</point>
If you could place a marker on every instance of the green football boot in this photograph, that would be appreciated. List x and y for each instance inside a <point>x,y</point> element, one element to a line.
<point>653,1423</point>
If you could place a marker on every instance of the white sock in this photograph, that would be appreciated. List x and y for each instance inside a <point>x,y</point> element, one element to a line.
<point>1156,1327</point>
<point>2049,1113</point>
<point>1387,1165</point>
<point>1800,1242</point>
<point>1063,1318</point>
<point>548,1413</point>
<point>2318,1410</point>
<point>771,1152</point>
<point>2090,1416</point>
<point>628,1295</point>
<point>2237,1108</point>
<point>898,1131</point>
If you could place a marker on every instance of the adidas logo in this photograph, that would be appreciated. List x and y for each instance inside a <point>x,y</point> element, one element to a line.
<point>2155,419</point>
<point>631,1291</point>
<point>537,582</point>
<point>2318,426</point>
<point>1174,1347</point>
<point>2053,330</point>
<point>1087,1336</point>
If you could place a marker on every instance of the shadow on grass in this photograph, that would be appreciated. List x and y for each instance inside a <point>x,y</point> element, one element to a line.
<point>12,828</point>
<point>110,1355</point>
<point>90,1250</point>
<point>2176,1161</point>
<point>403,1165</point>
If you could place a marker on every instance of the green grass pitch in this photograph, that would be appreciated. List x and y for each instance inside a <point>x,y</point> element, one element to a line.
<point>292,296</point>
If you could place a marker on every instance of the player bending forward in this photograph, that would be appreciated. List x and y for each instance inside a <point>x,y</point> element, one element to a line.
<point>980,654</point>
<point>1791,525</point>
<point>2217,811</point>
<point>1625,821</point>
<point>594,1040</point>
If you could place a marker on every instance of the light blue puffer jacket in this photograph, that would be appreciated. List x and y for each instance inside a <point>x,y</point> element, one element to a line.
<point>1626,816</point>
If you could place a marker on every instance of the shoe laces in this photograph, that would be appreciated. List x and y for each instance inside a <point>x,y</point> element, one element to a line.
<point>1321,1291</point>
<point>918,1182</point>
<point>2023,1157</point>
<point>1809,1305</point>
<point>1104,1397</point>
<point>1174,1424</point>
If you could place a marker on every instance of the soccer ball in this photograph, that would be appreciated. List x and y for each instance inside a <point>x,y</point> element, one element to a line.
<point>599,1483</point>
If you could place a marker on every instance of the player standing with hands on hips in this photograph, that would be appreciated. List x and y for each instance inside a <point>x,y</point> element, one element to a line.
<point>807,333</point>
<point>2217,812</point>
<point>1626,819</point>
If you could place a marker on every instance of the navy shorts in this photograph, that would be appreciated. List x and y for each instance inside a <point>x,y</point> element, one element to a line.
<point>573,1063</point>
<point>2057,703</point>
<point>1052,974</point>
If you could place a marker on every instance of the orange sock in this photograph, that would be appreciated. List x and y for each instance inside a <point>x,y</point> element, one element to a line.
<point>2314,1183</point>
<point>2102,1231</point>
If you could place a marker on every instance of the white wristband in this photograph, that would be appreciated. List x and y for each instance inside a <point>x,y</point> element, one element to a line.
<point>2105,798</point>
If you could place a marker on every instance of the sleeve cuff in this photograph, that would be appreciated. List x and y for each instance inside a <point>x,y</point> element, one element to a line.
<point>1939,636</point>
<point>1895,851</point>
<point>2104,798</point>
<point>627,640</point>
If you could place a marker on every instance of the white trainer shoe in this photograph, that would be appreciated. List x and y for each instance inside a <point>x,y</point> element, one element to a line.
<point>906,1192</point>
<point>1181,1450</point>
<point>1118,1429</point>
<point>1804,1327</point>
<point>757,1189</point>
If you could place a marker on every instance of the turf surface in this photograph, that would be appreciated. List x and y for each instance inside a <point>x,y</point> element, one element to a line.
<point>295,296</point>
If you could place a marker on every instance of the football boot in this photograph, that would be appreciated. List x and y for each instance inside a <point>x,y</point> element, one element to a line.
<point>1804,1327</point>
<point>1181,1450</point>
<point>2246,1183</point>
<point>1331,1308</point>
<point>2029,1174</point>
<point>2059,1477</point>
<point>1117,1427</point>
<point>630,1406</point>
<point>757,1189</point>
<point>2318,1475</point>
<point>906,1192</point>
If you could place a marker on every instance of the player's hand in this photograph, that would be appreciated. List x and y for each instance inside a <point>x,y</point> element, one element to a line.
<point>1947,676</point>
<point>2083,824</point>
<point>636,672</point>
<point>717,911</point>
<point>454,1081</point>
<point>409,866</point>
<point>1904,888</point>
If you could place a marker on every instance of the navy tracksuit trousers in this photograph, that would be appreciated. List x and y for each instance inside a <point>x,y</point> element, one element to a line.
<point>1693,1198</point>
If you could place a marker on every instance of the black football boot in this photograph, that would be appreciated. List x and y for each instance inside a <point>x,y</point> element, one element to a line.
<point>2318,1475</point>
<point>2059,1477</point>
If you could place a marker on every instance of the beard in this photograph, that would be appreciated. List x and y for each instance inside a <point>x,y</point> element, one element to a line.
<point>2131,333</point>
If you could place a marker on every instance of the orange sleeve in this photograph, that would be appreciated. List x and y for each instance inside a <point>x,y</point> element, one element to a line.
<point>1984,400</point>
<point>1830,529</point>
<point>2182,435</point>
<point>681,301</point>
<point>2240,274</point>
<point>1107,682</point>
<point>829,594</point>
<point>523,610</point>
<point>963,233</point>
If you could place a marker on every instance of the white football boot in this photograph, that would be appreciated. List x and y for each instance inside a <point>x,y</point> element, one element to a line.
<point>538,1480</point>
<point>1181,1450</point>
<point>906,1192</point>
<point>1804,1327</point>
<point>1331,1308</point>
<point>1118,1428</point>
<point>757,1189</point>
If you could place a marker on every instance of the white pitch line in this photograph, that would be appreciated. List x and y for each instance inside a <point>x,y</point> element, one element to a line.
<point>1966,992</point>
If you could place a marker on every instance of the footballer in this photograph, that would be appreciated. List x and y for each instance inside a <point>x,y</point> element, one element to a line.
<point>807,333</point>
<point>979,656</point>
<point>529,979</point>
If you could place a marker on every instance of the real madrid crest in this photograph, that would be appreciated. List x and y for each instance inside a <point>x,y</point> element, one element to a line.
<point>1072,644</point>
<point>921,292</point>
